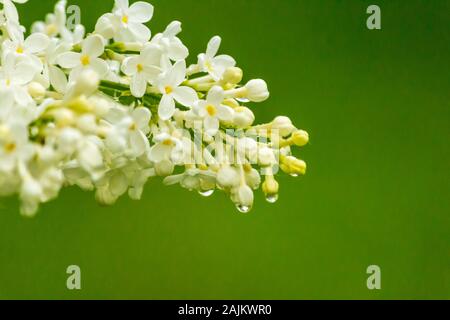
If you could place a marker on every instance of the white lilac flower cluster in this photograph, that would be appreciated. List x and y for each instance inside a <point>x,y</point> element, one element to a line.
<point>108,110</point>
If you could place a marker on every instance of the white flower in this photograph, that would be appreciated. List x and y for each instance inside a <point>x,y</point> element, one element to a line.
<point>13,77</point>
<point>213,111</point>
<point>168,84</point>
<point>170,44</point>
<point>129,21</point>
<point>27,48</point>
<point>14,145</point>
<point>129,131</point>
<point>212,64</point>
<point>92,47</point>
<point>141,69</point>
<point>167,147</point>
<point>52,73</point>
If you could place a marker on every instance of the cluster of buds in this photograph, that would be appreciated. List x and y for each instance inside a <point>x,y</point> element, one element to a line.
<point>111,109</point>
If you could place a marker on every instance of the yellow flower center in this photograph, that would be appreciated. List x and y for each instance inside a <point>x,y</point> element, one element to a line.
<point>85,60</point>
<point>51,29</point>
<point>19,49</point>
<point>209,66</point>
<point>140,67</point>
<point>211,110</point>
<point>167,142</point>
<point>168,89</point>
<point>125,19</point>
<point>8,82</point>
<point>133,127</point>
<point>10,147</point>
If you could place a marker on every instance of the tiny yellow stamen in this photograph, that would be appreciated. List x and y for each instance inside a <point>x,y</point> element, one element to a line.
<point>140,67</point>
<point>167,142</point>
<point>10,147</point>
<point>211,110</point>
<point>8,82</point>
<point>168,89</point>
<point>125,19</point>
<point>19,49</point>
<point>133,127</point>
<point>85,60</point>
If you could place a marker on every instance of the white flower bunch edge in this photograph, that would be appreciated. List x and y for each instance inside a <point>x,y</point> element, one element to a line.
<point>111,109</point>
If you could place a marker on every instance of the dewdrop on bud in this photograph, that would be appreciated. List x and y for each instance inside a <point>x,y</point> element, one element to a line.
<point>243,198</point>
<point>243,117</point>
<point>232,75</point>
<point>36,90</point>
<point>300,138</point>
<point>227,177</point>
<point>164,168</point>
<point>256,90</point>
<point>283,125</point>
<point>270,187</point>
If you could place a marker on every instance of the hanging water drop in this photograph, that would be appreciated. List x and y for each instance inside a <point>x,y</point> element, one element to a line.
<point>272,198</point>
<point>295,175</point>
<point>242,208</point>
<point>206,193</point>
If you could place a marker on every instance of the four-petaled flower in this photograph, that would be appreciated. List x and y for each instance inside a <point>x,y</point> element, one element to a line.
<point>91,49</point>
<point>169,84</point>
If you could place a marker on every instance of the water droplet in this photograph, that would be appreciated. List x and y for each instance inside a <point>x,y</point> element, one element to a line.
<point>243,209</point>
<point>206,193</point>
<point>243,100</point>
<point>272,198</point>
<point>295,175</point>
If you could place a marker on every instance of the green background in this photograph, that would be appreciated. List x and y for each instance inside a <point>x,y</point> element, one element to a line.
<point>376,104</point>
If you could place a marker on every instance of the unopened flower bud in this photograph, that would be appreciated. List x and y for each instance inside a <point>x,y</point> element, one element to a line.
<point>300,138</point>
<point>283,125</point>
<point>252,178</point>
<point>36,90</point>
<point>257,90</point>
<point>164,168</point>
<point>293,166</point>
<point>270,186</point>
<point>266,157</point>
<point>232,75</point>
<point>243,117</point>
<point>227,177</point>
<point>244,197</point>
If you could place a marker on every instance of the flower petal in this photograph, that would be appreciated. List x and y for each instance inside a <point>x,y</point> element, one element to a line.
<point>166,107</point>
<point>140,12</point>
<point>57,79</point>
<point>177,74</point>
<point>211,125</point>
<point>129,65</point>
<point>159,152</point>
<point>185,95</point>
<point>213,46</point>
<point>224,113</point>
<point>141,117</point>
<point>93,46</point>
<point>69,60</point>
<point>122,4</point>
<point>138,85</point>
<point>215,96</point>
<point>140,31</point>
<point>99,66</point>
<point>36,42</point>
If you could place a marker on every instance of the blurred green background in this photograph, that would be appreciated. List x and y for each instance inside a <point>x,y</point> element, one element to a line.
<point>376,104</point>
